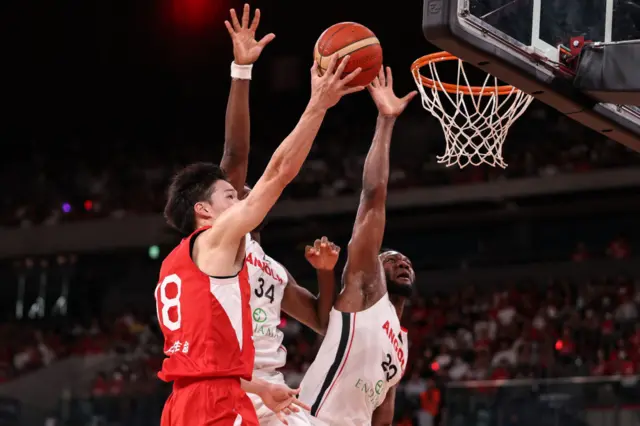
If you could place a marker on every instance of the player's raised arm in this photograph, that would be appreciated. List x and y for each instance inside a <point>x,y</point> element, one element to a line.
<point>299,302</point>
<point>247,214</point>
<point>368,229</point>
<point>246,50</point>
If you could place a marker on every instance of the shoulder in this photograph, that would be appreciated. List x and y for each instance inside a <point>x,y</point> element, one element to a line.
<point>180,253</point>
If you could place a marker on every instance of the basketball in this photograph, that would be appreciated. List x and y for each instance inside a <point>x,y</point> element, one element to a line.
<point>350,38</point>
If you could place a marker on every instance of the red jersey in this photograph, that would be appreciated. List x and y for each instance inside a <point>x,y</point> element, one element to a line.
<point>206,321</point>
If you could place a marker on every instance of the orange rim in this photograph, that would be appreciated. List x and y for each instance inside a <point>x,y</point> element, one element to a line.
<point>453,88</point>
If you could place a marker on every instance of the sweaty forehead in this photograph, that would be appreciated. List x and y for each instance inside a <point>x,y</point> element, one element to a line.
<point>394,255</point>
<point>389,253</point>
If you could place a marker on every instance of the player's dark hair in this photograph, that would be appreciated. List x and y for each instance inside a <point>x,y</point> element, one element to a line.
<point>190,185</point>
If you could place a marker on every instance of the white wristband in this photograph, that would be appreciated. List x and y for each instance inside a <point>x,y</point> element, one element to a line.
<point>241,72</point>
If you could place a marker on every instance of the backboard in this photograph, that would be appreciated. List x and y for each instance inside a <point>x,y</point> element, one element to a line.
<point>526,43</point>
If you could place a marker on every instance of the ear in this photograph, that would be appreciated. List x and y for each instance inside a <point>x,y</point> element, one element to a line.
<point>202,208</point>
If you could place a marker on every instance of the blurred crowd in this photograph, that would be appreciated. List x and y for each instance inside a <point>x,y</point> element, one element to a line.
<point>121,177</point>
<point>512,330</point>
<point>31,345</point>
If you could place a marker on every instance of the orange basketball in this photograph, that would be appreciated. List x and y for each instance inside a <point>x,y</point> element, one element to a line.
<point>358,41</point>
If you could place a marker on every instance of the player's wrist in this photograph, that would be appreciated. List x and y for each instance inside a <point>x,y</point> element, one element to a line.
<point>387,118</point>
<point>255,386</point>
<point>315,105</point>
<point>241,71</point>
<point>263,389</point>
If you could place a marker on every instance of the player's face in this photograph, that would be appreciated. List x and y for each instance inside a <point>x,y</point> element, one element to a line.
<point>223,196</point>
<point>399,273</point>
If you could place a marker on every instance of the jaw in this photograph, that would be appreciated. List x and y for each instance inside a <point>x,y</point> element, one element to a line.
<point>400,288</point>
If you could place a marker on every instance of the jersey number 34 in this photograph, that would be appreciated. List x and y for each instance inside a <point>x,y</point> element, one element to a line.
<point>260,291</point>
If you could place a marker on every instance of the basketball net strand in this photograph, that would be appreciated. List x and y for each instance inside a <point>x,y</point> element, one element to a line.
<point>477,126</point>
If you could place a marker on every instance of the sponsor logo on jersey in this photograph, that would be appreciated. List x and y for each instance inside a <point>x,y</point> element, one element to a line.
<point>397,344</point>
<point>259,315</point>
<point>264,265</point>
<point>264,330</point>
<point>371,391</point>
<point>178,346</point>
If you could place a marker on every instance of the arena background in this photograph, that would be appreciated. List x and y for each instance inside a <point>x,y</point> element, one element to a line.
<point>527,277</point>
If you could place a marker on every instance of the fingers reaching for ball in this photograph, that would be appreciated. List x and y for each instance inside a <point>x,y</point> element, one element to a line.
<point>355,40</point>
<point>381,89</point>
<point>327,88</point>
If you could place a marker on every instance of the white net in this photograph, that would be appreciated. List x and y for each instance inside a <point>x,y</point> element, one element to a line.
<point>475,119</point>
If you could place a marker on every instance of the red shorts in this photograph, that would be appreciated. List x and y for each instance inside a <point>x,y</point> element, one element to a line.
<point>208,402</point>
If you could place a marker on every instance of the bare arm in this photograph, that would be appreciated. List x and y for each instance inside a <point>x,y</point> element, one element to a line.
<point>245,215</point>
<point>256,386</point>
<point>383,415</point>
<point>246,50</point>
<point>310,310</point>
<point>235,157</point>
<point>299,302</point>
<point>368,229</point>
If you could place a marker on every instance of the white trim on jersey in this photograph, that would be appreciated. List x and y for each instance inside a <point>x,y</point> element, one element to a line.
<point>230,298</point>
<point>341,356</point>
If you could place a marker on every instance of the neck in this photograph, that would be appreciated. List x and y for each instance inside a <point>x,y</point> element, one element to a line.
<point>256,236</point>
<point>398,303</point>
<point>203,222</point>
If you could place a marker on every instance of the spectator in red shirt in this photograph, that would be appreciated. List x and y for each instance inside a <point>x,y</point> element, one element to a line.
<point>99,387</point>
<point>623,365</point>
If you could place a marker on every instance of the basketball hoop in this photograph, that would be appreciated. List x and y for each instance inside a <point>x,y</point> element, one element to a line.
<point>479,117</point>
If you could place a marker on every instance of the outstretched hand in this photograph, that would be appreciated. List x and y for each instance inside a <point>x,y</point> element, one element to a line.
<point>328,88</point>
<point>281,399</point>
<point>246,49</point>
<point>381,89</point>
<point>323,255</point>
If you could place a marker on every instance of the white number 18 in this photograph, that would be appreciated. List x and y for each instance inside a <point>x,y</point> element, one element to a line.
<point>164,302</point>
